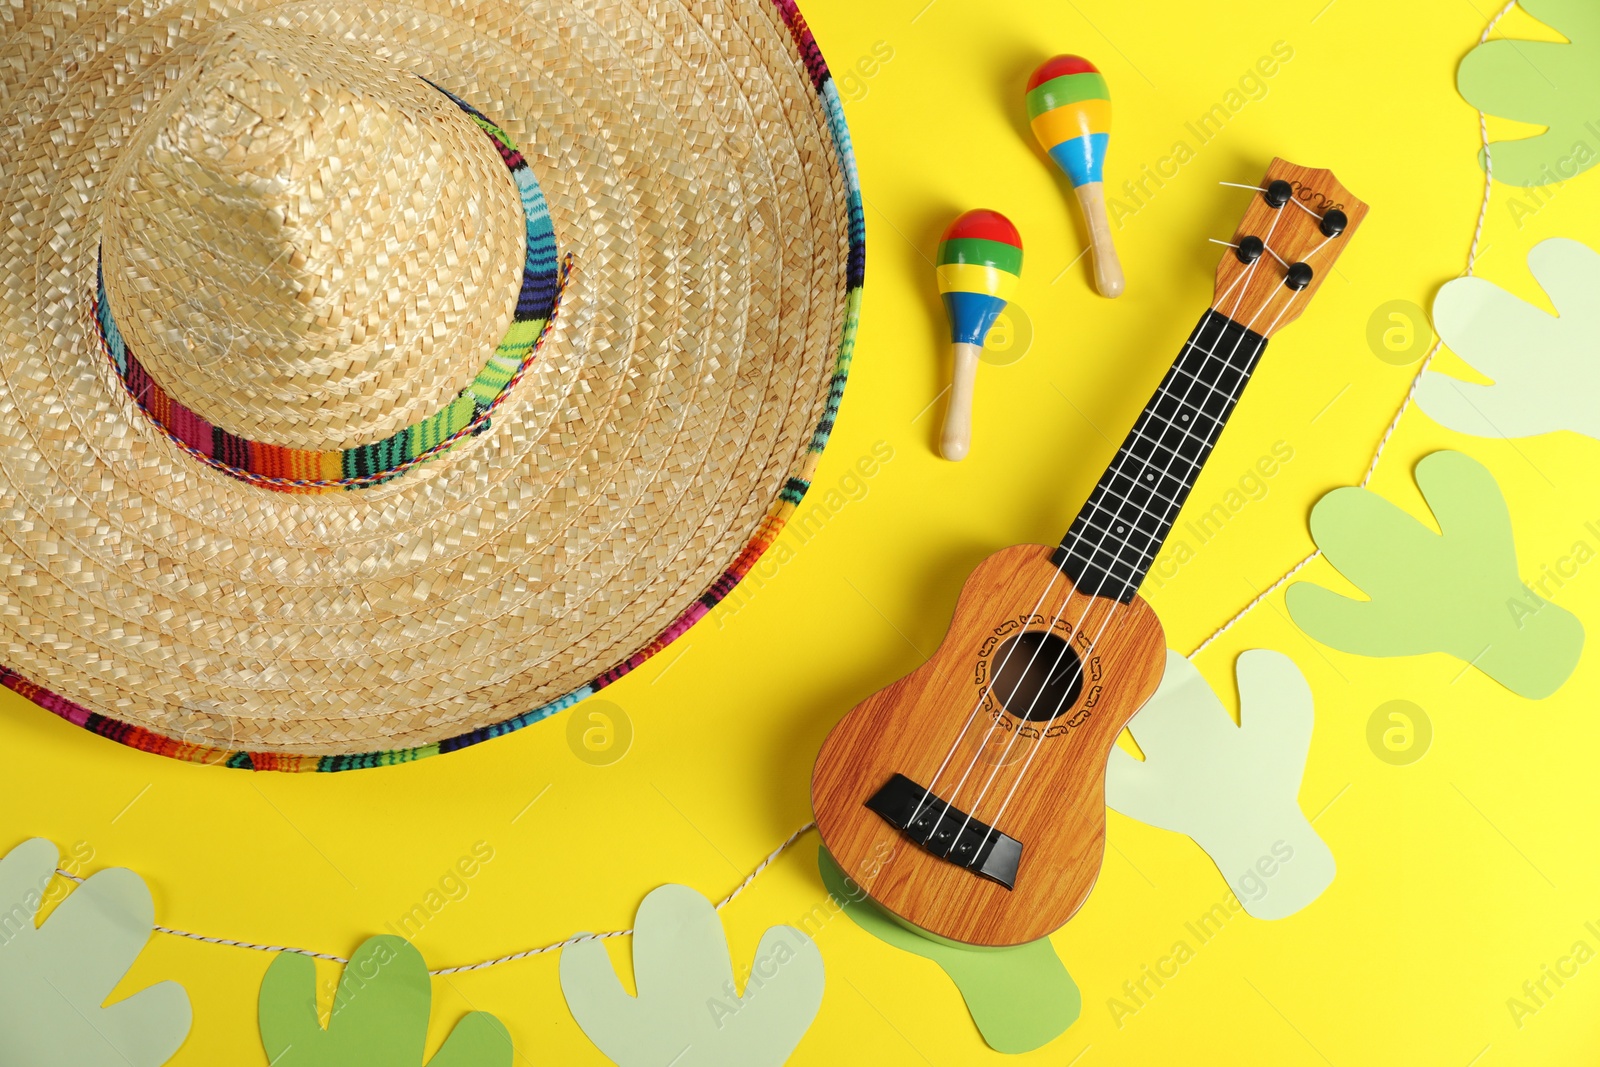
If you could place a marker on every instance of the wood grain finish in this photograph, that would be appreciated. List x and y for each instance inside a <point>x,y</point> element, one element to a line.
<point>1059,812</point>
<point>1257,297</point>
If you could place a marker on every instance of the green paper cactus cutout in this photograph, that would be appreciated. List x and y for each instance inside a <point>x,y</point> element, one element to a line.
<point>54,978</point>
<point>1456,591</point>
<point>380,1015</point>
<point>1546,368</point>
<point>1551,84</point>
<point>1021,998</point>
<point>688,1012</point>
<point>1232,789</point>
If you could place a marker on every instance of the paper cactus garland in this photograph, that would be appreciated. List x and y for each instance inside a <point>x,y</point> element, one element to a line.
<point>55,978</point>
<point>688,1011</point>
<point>1233,789</point>
<point>380,1015</point>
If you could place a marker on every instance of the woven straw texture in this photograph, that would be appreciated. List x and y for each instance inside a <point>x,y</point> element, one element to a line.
<point>308,245</point>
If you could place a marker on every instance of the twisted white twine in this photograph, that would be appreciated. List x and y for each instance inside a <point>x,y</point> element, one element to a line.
<point>441,971</point>
<point>1411,393</point>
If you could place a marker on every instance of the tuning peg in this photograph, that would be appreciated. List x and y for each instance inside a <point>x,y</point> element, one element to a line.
<point>1069,108</point>
<point>979,266</point>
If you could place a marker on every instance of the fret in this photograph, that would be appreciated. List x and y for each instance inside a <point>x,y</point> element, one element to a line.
<point>1215,386</point>
<point>1099,572</point>
<point>1141,451</point>
<point>1115,520</point>
<point>1228,361</point>
<point>1212,408</point>
<point>1107,563</point>
<point>1122,525</point>
<point>1103,533</point>
<point>1173,438</point>
<point>1145,489</point>
<point>1221,371</point>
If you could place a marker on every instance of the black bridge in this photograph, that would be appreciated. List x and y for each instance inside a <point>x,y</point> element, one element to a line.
<point>930,822</point>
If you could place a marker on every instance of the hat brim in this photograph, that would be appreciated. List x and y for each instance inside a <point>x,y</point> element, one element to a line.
<point>697,166</point>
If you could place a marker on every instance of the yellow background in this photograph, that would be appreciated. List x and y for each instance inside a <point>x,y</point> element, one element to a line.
<point>1460,876</point>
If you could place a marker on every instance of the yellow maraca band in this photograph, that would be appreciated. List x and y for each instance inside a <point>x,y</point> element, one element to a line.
<point>977,278</point>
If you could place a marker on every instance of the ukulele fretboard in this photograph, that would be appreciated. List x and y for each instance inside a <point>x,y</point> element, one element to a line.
<point>1116,536</point>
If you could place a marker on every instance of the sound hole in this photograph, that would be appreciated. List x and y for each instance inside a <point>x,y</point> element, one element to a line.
<point>1040,676</point>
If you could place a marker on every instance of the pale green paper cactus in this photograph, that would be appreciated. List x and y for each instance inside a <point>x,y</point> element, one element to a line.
<point>1234,790</point>
<point>1543,82</point>
<point>1546,368</point>
<point>380,1015</point>
<point>1456,591</point>
<point>55,978</point>
<point>688,1012</point>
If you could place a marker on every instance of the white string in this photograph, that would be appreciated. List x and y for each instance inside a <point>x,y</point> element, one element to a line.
<point>1296,202</point>
<point>1293,200</point>
<point>484,965</point>
<point>1405,404</point>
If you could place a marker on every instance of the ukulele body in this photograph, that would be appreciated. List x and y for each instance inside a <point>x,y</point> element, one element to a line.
<point>1057,813</point>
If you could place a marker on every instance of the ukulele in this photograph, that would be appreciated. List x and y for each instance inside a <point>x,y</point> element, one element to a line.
<point>968,798</point>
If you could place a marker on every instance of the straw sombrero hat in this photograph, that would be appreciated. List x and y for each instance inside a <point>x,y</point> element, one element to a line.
<point>379,378</point>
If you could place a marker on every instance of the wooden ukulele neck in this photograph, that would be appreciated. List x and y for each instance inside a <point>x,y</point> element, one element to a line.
<point>1122,526</point>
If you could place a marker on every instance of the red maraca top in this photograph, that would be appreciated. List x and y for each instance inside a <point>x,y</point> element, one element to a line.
<point>1059,67</point>
<point>985,224</point>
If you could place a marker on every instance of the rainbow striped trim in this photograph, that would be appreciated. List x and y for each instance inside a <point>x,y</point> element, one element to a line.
<point>300,470</point>
<point>777,516</point>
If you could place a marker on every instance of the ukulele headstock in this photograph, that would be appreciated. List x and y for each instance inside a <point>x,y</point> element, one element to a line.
<point>1295,228</point>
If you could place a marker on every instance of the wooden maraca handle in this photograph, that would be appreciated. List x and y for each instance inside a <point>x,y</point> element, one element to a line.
<point>1107,267</point>
<point>956,438</point>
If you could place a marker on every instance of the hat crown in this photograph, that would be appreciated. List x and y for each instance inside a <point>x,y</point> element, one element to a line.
<point>310,247</point>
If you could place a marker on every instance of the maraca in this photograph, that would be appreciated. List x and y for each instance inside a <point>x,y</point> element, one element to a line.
<point>979,266</point>
<point>1070,109</point>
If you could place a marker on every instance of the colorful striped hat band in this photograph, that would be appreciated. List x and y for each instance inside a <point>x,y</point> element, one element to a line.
<point>288,469</point>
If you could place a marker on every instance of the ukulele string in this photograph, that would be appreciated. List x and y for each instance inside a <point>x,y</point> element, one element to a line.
<point>1240,283</point>
<point>1029,616</point>
<point>1061,704</point>
<point>1116,560</point>
<point>994,675</point>
<point>1233,398</point>
<point>988,689</point>
<point>966,726</point>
